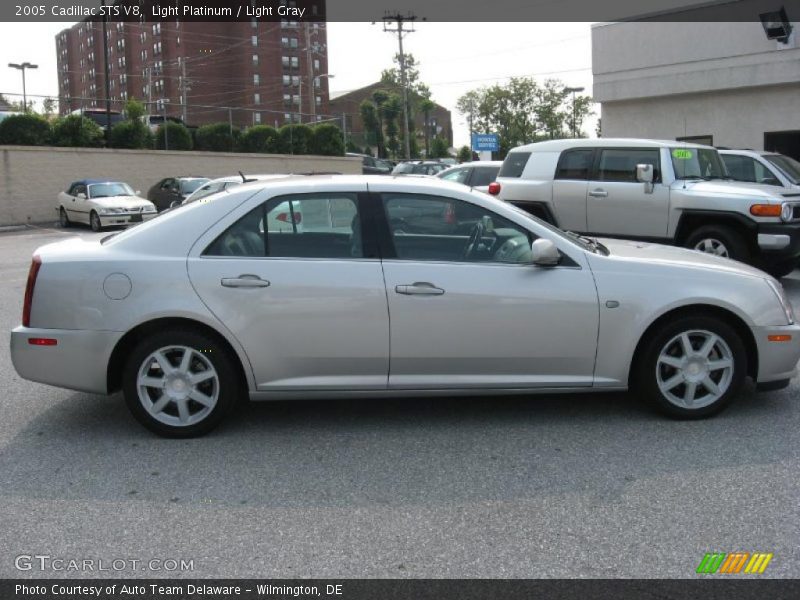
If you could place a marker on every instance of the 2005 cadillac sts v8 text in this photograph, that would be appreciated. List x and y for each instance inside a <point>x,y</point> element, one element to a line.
<point>337,286</point>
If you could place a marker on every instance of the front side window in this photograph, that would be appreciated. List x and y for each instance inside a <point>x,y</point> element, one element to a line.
<point>788,166</point>
<point>620,164</point>
<point>319,225</point>
<point>697,163</point>
<point>745,168</point>
<point>436,228</point>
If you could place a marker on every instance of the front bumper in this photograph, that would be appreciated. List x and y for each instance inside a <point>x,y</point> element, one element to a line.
<point>777,360</point>
<point>779,241</point>
<point>78,361</point>
<point>125,218</point>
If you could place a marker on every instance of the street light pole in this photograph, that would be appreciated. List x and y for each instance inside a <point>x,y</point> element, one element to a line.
<point>574,90</point>
<point>22,67</point>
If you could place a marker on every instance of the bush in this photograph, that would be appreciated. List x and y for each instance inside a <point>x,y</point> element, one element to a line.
<point>259,138</point>
<point>439,148</point>
<point>130,134</point>
<point>216,137</point>
<point>178,136</point>
<point>77,131</point>
<point>295,139</point>
<point>327,140</point>
<point>351,147</point>
<point>25,130</point>
<point>464,154</point>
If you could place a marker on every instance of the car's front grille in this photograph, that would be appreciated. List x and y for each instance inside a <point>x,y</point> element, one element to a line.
<point>796,212</point>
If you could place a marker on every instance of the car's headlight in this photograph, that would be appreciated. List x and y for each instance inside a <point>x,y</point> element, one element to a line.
<point>787,212</point>
<point>777,288</point>
<point>149,208</point>
<point>111,211</point>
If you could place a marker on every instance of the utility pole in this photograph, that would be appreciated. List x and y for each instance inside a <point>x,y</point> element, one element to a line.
<point>574,90</point>
<point>107,71</point>
<point>310,74</point>
<point>183,87</point>
<point>399,30</point>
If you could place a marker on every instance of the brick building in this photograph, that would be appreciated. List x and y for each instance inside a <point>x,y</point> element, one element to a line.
<point>269,72</point>
<point>348,104</point>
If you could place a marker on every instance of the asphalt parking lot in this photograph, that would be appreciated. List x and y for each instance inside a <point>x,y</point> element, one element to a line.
<point>557,486</point>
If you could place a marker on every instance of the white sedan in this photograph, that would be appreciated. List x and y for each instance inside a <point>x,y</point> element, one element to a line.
<point>465,294</point>
<point>100,203</point>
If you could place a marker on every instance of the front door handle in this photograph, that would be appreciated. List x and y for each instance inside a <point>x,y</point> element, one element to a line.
<point>244,281</point>
<point>419,288</point>
<point>598,193</point>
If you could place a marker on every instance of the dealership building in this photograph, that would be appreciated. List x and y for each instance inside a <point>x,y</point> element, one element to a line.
<point>724,84</point>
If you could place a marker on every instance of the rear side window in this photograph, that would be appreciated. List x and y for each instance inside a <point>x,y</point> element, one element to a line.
<point>483,176</point>
<point>620,164</point>
<point>574,164</point>
<point>514,164</point>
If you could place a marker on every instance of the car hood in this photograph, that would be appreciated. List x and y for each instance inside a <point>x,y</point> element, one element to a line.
<point>732,188</point>
<point>121,202</point>
<point>646,252</point>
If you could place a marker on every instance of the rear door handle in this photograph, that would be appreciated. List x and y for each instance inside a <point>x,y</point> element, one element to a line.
<point>244,281</point>
<point>598,193</point>
<point>419,288</point>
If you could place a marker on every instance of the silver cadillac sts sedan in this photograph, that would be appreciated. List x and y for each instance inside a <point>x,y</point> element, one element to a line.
<point>337,286</point>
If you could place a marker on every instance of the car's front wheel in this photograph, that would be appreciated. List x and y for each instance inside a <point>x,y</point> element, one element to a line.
<point>180,383</point>
<point>94,221</point>
<point>719,240</point>
<point>692,367</point>
<point>63,219</point>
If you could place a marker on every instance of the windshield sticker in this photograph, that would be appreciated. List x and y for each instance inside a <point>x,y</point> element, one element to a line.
<point>682,154</point>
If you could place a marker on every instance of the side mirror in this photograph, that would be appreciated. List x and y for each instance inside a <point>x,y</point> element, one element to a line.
<point>544,253</point>
<point>81,196</point>
<point>644,174</point>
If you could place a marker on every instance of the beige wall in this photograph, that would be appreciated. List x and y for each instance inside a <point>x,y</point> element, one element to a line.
<point>32,177</point>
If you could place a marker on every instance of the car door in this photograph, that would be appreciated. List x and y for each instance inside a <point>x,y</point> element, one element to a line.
<point>468,310</point>
<point>570,185</point>
<point>78,207</point>
<point>617,204</point>
<point>307,303</point>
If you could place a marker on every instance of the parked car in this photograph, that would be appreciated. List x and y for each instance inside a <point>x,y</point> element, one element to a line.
<point>371,165</point>
<point>762,167</point>
<point>173,189</point>
<point>210,304</point>
<point>100,203</point>
<point>664,191</point>
<point>212,186</point>
<point>476,175</point>
<point>419,167</point>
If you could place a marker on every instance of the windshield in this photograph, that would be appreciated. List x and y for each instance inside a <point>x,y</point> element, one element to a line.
<point>190,185</point>
<point>579,241</point>
<point>697,163</point>
<point>106,190</point>
<point>403,168</point>
<point>788,166</point>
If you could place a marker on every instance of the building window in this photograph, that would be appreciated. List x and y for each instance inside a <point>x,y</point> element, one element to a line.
<point>257,98</point>
<point>254,23</point>
<point>257,118</point>
<point>255,59</point>
<point>256,79</point>
<point>254,40</point>
<point>316,64</point>
<point>287,80</point>
<point>318,100</point>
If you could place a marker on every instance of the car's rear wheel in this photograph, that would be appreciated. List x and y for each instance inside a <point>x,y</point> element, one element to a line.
<point>180,383</point>
<point>692,367</point>
<point>63,219</point>
<point>719,240</point>
<point>94,221</point>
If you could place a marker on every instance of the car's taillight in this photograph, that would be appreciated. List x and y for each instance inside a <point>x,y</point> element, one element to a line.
<point>33,272</point>
<point>494,188</point>
<point>287,218</point>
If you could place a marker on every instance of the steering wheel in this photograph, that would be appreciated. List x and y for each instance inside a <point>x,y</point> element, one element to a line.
<point>474,239</point>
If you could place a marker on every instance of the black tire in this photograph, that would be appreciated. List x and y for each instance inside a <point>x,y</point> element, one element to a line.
<point>779,269</point>
<point>648,369</point>
<point>226,386</point>
<point>63,219</point>
<point>735,245</point>
<point>94,221</point>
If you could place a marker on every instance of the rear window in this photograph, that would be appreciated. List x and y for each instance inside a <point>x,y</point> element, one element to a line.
<point>514,164</point>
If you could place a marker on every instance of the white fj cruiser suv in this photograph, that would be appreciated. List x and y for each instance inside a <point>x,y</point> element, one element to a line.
<point>662,191</point>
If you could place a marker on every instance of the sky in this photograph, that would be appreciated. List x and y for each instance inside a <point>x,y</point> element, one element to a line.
<point>454,57</point>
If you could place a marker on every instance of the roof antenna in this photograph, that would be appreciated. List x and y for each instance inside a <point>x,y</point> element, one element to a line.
<point>245,179</point>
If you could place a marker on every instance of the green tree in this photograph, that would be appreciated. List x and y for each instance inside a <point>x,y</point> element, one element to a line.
<point>178,136</point>
<point>392,77</point>
<point>294,139</point>
<point>327,140</point>
<point>259,138</point>
<point>49,106</point>
<point>464,154</point>
<point>131,133</point>
<point>352,147</point>
<point>439,148</point>
<point>392,111</point>
<point>25,130</point>
<point>372,126</point>
<point>77,131</point>
<point>216,137</point>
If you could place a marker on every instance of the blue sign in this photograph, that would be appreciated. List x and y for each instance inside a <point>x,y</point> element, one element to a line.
<point>485,142</point>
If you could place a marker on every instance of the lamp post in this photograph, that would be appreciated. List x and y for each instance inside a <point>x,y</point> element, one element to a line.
<point>574,90</point>
<point>22,67</point>
<point>312,101</point>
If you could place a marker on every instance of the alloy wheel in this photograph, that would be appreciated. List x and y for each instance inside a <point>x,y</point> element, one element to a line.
<point>712,246</point>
